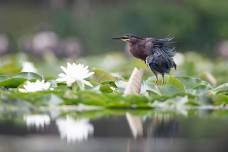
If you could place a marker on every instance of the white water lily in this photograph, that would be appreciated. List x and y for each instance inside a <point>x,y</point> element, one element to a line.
<point>75,73</point>
<point>28,67</point>
<point>74,130</point>
<point>37,120</point>
<point>35,86</point>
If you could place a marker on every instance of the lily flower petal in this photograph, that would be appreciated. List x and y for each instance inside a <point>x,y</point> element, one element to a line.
<point>75,73</point>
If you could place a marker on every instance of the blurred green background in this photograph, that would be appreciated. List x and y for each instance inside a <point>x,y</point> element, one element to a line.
<point>43,31</point>
<point>200,25</point>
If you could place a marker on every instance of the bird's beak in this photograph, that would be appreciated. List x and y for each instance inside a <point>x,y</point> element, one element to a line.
<point>117,38</point>
<point>121,38</point>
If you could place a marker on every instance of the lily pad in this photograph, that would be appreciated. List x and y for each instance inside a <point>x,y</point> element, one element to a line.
<point>102,76</point>
<point>16,80</point>
<point>223,88</point>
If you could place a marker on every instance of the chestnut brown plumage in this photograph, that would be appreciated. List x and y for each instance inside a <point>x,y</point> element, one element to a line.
<point>157,53</point>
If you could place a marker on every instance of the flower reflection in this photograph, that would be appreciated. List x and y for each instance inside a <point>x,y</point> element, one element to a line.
<point>38,121</point>
<point>74,130</point>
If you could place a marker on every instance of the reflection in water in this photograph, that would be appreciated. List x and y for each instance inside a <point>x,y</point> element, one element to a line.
<point>162,116</point>
<point>154,130</point>
<point>39,121</point>
<point>135,125</point>
<point>162,124</point>
<point>74,130</point>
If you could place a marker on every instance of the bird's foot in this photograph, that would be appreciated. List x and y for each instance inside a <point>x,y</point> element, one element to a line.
<point>158,82</point>
<point>163,82</point>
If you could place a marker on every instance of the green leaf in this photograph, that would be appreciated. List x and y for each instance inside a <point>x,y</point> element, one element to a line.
<point>106,88</point>
<point>152,89</point>
<point>10,67</point>
<point>194,86</point>
<point>16,80</point>
<point>175,82</point>
<point>111,83</point>
<point>220,99</point>
<point>109,100</point>
<point>223,88</point>
<point>46,97</point>
<point>178,102</point>
<point>101,76</point>
<point>172,87</point>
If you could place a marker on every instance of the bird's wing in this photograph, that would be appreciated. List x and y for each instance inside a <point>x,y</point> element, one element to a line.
<point>163,42</point>
<point>164,45</point>
<point>169,51</point>
<point>160,61</point>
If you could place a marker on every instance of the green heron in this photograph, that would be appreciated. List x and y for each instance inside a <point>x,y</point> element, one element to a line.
<point>156,53</point>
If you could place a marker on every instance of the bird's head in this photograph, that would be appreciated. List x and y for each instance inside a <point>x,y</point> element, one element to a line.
<point>129,38</point>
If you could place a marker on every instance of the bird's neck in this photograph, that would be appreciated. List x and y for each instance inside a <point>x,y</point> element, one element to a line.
<point>137,50</point>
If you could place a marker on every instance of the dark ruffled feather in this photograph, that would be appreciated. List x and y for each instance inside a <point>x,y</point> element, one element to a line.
<point>161,58</point>
<point>160,62</point>
<point>163,42</point>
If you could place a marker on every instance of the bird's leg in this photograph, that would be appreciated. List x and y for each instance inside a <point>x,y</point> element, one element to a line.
<point>163,78</point>
<point>155,73</point>
<point>157,80</point>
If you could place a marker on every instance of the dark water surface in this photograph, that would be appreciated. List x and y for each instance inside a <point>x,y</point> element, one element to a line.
<point>114,131</point>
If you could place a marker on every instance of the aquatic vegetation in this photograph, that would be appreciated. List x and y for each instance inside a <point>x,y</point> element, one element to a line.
<point>77,85</point>
<point>35,86</point>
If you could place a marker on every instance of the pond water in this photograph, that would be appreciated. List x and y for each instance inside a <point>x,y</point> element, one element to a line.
<point>114,131</point>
